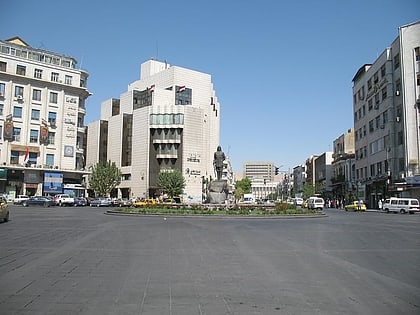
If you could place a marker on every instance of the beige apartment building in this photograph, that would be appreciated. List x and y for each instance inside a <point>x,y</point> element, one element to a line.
<point>386,103</point>
<point>167,120</point>
<point>42,111</point>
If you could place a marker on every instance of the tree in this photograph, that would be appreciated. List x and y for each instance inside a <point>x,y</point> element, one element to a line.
<point>171,182</point>
<point>104,178</point>
<point>244,184</point>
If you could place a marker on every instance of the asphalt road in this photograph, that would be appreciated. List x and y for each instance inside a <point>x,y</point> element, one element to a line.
<point>79,261</point>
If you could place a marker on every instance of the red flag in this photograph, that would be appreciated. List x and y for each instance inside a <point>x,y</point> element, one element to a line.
<point>26,157</point>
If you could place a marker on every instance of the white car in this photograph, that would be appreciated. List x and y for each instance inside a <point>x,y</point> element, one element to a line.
<point>19,199</point>
<point>298,201</point>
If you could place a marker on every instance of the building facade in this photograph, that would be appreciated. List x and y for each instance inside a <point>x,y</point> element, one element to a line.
<point>386,105</point>
<point>167,120</point>
<point>259,170</point>
<point>343,177</point>
<point>42,108</point>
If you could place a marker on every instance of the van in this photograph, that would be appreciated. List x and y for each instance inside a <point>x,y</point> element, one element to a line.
<point>401,205</point>
<point>316,203</point>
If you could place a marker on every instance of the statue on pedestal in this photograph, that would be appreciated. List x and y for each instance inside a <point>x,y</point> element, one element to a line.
<point>218,188</point>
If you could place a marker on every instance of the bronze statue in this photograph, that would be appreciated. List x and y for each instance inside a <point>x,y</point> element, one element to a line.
<point>219,157</point>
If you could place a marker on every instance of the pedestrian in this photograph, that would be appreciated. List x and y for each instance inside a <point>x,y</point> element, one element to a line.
<point>380,204</point>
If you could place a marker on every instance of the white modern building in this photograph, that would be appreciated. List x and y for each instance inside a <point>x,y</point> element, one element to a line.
<point>42,110</point>
<point>167,120</point>
<point>386,104</point>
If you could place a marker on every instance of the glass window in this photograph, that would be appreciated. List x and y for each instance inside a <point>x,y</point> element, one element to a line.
<point>16,134</point>
<point>51,137</point>
<point>36,95</point>
<point>33,156</point>
<point>52,118</point>
<point>17,112</point>
<point>397,61</point>
<point>2,89</point>
<point>21,70</point>
<point>38,73</point>
<point>53,97</point>
<point>3,66</point>
<point>383,71</point>
<point>35,114</point>
<point>14,157</point>
<point>18,91</point>
<point>183,95</point>
<point>68,79</point>
<point>49,159</point>
<point>54,76</point>
<point>1,109</point>
<point>33,137</point>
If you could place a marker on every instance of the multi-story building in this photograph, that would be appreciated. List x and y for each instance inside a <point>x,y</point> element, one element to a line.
<point>323,174</point>
<point>167,120</point>
<point>259,170</point>
<point>42,108</point>
<point>386,105</point>
<point>299,176</point>
<point>343,180</point>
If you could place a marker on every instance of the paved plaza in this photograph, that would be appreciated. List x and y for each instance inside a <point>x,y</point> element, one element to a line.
<point>68,260</point>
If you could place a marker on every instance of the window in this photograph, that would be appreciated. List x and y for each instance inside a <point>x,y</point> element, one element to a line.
<point>14,157</point>
<point>383,71</point>
<point>370,104</point>
<point>369,84</point>
<point>33,136</point>
<point>384,93</point>
<point>49,159</point>
<point>36,95</point>
<point>68,79</point>
<point>377,121</point>
<point>21,70</point>
<point>38,73</point>
<point>3,66</point>
<point>35,114</point>
<point>52,118</point>
<point>1,109</point>
<point>53,97</point>
<point>371,126</point>
<point>372,170</point>
<point>1,131</point>
<point>54,76</point>
<point>400,138</point>
<point>33,156</point>
<point>397,61</point>
<point>385,117</point>
<point>376,100</point>
<point>183,95</point>
<point>379,167</point>
<point>16,134</point>
<point>17,112</point>
<point>364,131</point>
<point>2,89</point>
<point>375,78</point>
<point>417,53</point>
<point>51,137</point>
<point>18,91</point>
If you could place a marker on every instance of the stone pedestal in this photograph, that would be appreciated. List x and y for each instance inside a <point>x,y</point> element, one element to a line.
<point>217,192</point>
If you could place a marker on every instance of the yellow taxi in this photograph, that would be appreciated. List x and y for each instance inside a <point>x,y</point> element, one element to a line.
<point>144,202</point>
<point>354,206</point>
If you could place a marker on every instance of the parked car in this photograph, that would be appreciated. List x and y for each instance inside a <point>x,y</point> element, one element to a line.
<point>19,199</point>
<point>354,206</point>
<point>64,200</point>
<point>4,210</point>
<point>298,201</point>
<point>38,201</point>
<point>124,202</point>
<point>100,202</point>
<point>80,202</point>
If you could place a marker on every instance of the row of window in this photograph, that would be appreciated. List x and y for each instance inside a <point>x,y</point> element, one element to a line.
<point>39,73</point>
<point>373,103</point>
<point>378,169</point>
<point>36,93</point>
<point>32,159</point>
<point>35,114</point>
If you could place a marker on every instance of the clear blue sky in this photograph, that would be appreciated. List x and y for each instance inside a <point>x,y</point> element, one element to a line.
<point>282,70</point>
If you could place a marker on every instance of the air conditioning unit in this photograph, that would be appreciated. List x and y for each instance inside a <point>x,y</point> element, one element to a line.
<point>397,93</point>
<point>19,97</point>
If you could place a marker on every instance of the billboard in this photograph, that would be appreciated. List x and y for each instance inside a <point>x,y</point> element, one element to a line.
<point>53,183</point>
